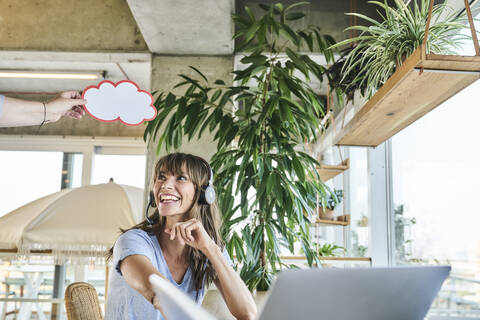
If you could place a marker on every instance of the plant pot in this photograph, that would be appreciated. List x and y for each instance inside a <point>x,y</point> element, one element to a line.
<point>344,218</point>
<point>327,157</point>
<point>215,305</point>
<point>326,214</point>
<point>260,297</point>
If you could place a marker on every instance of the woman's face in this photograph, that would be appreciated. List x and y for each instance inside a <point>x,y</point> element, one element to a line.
<point>174,194</point>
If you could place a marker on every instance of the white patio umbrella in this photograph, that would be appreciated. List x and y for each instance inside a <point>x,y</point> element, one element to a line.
<point>77,224</point>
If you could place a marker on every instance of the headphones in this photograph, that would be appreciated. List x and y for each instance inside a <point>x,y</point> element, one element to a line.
<point>151,203</point>
<point>207,194</point>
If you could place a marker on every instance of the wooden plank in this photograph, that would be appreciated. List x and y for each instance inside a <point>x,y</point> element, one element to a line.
<point>450,58</point>
<point>407,96</point>
<point>328,172</point>
<point>31,251</point>
<point>366,259</point>
<point>373,104</point>
<point>400,110</point>
<point>331,222</point>
<point>453,63</point>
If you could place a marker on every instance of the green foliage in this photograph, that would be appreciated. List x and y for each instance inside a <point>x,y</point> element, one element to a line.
<point>333,199</point>
<point>259,125</point>
<point>357,249</point>
<point>330,250</point>
<point>384,45</point>
<point>402,254</point>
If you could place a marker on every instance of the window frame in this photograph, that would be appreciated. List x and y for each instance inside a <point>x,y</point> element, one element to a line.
<point>87,146</point>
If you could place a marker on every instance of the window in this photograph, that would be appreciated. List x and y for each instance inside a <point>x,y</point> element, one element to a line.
<point>436,179</point>
<point>27,176</point>
<point>123,169</point>
<point>357,195</point>
<point>33,167</point>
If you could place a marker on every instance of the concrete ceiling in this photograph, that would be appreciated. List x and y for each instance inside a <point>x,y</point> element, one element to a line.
<point>116,67</point>
<point>185,27</point>
<point>135,66</point>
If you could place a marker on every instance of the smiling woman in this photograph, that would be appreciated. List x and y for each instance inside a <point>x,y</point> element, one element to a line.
<point>180,242</point>
<point>174,192</point>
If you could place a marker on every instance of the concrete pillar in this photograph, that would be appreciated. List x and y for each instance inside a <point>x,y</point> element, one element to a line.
<point>165,70</point>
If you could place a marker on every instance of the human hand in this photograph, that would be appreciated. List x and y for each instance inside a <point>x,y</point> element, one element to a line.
<point>68,104</point>
<point>192,233</point>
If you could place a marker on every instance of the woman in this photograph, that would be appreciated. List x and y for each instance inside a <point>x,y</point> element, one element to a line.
<point>180,242</point>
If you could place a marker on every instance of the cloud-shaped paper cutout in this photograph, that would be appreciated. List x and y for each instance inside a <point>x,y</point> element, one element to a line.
<point>123,101</point>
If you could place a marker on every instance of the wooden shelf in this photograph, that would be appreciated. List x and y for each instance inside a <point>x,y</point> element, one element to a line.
<point>366,259</point>
<point>331,222</point>
<point>328,172</point>
<point>408,95</point>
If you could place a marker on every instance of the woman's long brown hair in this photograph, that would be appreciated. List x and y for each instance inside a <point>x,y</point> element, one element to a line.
<point>199,171</point>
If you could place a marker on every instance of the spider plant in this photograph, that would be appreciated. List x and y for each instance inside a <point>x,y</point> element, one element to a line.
<point>383,45</point>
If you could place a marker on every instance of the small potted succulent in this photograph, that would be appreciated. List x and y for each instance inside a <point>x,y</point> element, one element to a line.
<point>327,207</point>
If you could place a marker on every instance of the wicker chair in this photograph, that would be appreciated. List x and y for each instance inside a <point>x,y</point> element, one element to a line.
<point>81,302</point>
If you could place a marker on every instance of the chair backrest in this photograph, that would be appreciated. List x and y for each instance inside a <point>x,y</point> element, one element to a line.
<point>81,302</point>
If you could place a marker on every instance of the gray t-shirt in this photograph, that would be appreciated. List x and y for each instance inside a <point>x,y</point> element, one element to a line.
<point>123,301</point>
<point>2,99</point>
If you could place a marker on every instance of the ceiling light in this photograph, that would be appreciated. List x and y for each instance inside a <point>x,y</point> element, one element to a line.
<point>52,74</point>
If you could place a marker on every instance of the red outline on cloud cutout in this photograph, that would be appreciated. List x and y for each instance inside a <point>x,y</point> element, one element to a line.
<point>115,85</point>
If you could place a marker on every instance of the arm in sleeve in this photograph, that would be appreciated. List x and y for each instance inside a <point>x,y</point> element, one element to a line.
<point>133,258</point>
<point>2,99</point>
<point>132,242</point>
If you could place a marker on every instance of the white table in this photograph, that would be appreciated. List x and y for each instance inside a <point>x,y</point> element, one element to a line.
<point>33,276</point>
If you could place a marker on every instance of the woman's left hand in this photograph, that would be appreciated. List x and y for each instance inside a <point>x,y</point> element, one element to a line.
<point>192,233</point>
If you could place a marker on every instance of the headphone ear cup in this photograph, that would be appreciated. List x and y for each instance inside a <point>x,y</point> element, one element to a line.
<point>210,195</point>
<point>207,195</point>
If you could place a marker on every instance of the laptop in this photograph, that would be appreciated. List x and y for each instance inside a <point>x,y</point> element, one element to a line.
<point>398,293</point>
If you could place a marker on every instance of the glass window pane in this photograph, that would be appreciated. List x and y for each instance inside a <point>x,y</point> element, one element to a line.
<point>27,176</point>
<point>76,174</point>
<point>436,178</point>
<point>358,197</point>
<point>123,169</point>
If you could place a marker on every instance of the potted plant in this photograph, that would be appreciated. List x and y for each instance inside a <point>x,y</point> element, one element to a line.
<point>326,210</point>
<point>330,250</point>
<point>382,46</point>
<point>265,180</point>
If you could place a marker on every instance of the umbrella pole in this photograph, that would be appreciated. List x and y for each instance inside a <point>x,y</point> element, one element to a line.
<point>58,290</point>
<point>107,269</point>
<point>59,276</point>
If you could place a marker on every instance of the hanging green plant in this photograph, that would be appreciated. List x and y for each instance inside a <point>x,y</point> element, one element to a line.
<point>383,45</point>
<point>267,185</point>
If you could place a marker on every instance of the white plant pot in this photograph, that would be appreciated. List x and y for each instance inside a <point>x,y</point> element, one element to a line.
<point>215,305</point>
<point>327,157</point>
